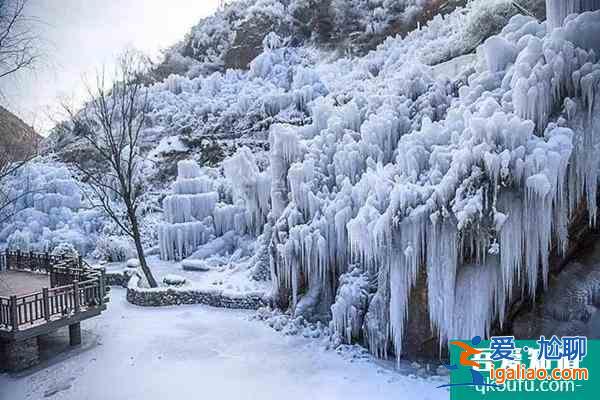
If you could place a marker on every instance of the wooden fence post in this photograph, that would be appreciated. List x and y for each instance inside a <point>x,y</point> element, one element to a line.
<point>102,285</point>
<point>46,300</point>
<point>52,276</point>
<point>14,316</point>
<point>76,296</point>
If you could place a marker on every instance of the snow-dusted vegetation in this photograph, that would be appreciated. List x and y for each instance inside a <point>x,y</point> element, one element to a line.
<point>348,174</point>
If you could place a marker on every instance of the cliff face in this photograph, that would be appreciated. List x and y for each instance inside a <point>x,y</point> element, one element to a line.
<point>570,305</point>
<point>17,139</point>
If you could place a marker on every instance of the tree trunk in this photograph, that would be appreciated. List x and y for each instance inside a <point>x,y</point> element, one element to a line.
<point>140,250</point>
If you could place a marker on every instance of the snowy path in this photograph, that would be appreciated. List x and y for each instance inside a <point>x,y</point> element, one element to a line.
<point>197,352</point>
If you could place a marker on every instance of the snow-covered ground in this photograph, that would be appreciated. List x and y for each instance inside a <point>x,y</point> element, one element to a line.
<point>198,352</point>
<point>230,277</point>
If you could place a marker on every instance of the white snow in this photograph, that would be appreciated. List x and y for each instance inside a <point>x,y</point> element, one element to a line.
<point>189,352</point>
<point>167,145</point>
<point>223,273</point>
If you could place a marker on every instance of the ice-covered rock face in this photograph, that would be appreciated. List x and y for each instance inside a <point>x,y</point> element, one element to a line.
<point>571,304</point>
<point>48,210</point>
<point>402,175</point>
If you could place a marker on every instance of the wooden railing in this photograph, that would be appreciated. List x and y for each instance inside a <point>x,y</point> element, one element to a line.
<point>74,287</point>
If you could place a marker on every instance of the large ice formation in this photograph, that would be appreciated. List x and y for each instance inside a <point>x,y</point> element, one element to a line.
<point>474,184</point>
<point>45,209</point>
<point>196,212</point>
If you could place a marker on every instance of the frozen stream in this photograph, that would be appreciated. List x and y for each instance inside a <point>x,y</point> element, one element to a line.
<point>198,352</point>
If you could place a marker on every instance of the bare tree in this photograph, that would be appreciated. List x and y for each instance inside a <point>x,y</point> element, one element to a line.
<point>111,123</point>
<point>18,42</point>
<point>18,50</point>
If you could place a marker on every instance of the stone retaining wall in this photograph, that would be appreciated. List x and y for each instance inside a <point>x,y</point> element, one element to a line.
<point>182,295</point>
<point>120,279</point>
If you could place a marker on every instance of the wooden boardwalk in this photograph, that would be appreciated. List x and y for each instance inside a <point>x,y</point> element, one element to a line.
<point>40,293</point>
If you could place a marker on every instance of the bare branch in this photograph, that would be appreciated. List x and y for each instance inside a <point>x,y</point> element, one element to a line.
<point>110,124</point>
<point>19,44</point>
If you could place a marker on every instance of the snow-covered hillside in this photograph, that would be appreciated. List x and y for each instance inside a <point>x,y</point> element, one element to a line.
<point>209,112</point>
<point>350,176</point>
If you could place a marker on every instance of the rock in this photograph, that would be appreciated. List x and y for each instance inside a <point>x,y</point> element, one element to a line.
<point>442,371</point>
<point>60,387</point>
<point>422,373</point>
<point>264,313</point>
<point>248,43</point>
<point>567,308</point>
<point>291,329</point>
<point>278,322</point>
<point>194,265</point>
<point>133,263</point>
<point>174,280</point>
<point>153,251</point>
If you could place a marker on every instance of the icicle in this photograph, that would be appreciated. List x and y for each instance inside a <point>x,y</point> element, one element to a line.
<point>188,169</point>
<point>377,320</point>
<point>396,178</point>
<point>177,241</point>
<point>228,218</point>
<point>250,186</point>
<point>558,10</point>
<point>442,259</point>
<point>194,185</point>
<point>474,300</point>
<point>284,150</point>
<point>187,208</point>
<point>404,265</point>
<point>511,239</point>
